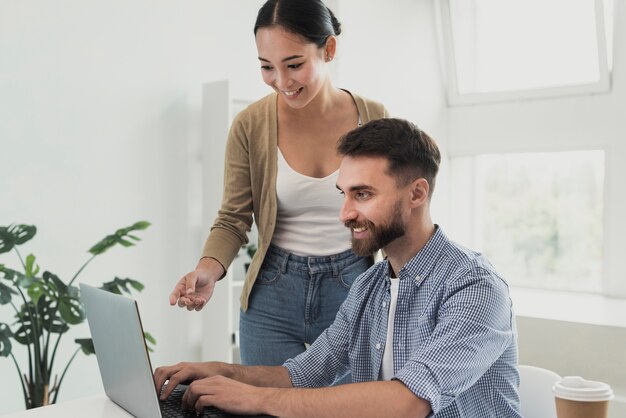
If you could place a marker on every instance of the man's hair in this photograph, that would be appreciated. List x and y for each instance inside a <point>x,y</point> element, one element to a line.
<point>410,152</point>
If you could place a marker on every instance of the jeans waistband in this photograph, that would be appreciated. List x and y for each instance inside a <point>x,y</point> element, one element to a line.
<point>317,264</point>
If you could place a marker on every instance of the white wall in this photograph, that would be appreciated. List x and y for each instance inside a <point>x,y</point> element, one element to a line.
<point>388,52</point>
<point>100,120</point>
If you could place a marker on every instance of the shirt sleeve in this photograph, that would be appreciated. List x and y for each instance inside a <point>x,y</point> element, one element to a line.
<point>472,330</point>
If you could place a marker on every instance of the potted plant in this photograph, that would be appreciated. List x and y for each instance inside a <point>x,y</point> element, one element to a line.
<point>46,307</point>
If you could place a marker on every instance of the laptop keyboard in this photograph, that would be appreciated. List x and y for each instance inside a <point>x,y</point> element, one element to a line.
<point>171,407</point>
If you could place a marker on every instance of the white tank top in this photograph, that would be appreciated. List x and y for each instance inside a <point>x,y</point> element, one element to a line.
<point>307,222</point>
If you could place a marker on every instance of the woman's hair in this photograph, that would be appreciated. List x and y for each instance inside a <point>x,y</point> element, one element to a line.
<point>310,19</point>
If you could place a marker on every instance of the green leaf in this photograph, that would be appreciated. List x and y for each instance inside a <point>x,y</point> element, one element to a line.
<point>31,268</point>
<point>22,233</point>
<point>23,280</point>
<point>5,340</point>
<point>55,283</point>
<point>121,236</point>
<point>71,310</point>
<point>56,325</point>
<point>7,273</point>
<point>73,291</point>
<point>51,321</point>
<point>149,338</point>
<point>138,286</point>
<point>24,334</point>
<point>118,286</point>
<point>15,235</point>
<point>7,241</point>
<point>150,341</point>
<point>6,294</point>
<point>36,290</point>
<point>251,250</point>
<point>17,278</point>
<point>86,345</point>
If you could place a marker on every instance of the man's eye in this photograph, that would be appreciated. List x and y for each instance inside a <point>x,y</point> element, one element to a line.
<point>362,195</point>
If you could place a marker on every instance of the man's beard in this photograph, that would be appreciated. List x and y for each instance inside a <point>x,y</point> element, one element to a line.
<point>380,236</point>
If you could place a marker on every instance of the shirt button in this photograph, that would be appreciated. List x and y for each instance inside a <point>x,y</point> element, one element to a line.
<point>384,304</point>
<point>378,346</point>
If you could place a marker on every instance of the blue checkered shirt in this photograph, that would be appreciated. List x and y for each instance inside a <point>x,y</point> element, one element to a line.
<point>454,337</point>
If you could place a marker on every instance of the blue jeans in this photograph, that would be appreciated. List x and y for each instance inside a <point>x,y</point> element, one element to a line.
<point>292,301</point>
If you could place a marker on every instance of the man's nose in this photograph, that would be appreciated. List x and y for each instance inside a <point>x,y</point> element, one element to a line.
<point>347,212</point>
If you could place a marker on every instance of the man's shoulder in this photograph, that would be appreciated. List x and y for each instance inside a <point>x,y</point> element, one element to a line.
<point>462,256</point>
<point>456,261</point>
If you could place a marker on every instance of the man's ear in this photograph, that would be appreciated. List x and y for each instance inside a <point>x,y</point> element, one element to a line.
<point>419,192</point>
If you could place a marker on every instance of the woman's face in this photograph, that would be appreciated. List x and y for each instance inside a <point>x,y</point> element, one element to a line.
<point>292,66</point>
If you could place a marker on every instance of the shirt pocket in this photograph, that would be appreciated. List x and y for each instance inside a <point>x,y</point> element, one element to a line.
<point>269,273</point>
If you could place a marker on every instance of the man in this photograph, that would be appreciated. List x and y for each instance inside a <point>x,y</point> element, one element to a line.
<point>428,330</point>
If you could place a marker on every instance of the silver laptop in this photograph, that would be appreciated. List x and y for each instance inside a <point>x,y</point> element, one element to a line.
<point>123,359</point>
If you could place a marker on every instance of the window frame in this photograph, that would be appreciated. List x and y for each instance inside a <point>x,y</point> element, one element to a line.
<point>454,98</point>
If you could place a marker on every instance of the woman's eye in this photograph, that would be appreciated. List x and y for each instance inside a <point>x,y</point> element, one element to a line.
<point>295,66</point>
<point>266,67</point>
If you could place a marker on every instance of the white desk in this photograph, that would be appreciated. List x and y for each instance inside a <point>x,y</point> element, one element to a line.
<point>90,407</point>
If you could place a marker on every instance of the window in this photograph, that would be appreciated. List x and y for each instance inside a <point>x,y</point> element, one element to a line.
<point>512,49</point>
<point>537,216</point>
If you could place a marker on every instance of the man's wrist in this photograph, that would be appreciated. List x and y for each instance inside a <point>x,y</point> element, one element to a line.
<point>216,368</point>
<point>271,401</point>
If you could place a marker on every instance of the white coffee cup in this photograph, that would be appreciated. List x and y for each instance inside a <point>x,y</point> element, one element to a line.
<point>576,397</point>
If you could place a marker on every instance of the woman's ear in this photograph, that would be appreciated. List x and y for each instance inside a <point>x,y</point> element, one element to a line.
<point>419,192</point>
<point>330,49</point>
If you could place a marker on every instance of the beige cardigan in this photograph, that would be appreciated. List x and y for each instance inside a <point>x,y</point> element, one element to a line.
<point>250,184</point>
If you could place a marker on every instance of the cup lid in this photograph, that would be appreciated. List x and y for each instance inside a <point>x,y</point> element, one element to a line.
<point>575,388</point>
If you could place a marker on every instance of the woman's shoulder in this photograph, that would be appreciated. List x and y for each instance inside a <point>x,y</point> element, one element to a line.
<point>258,111</point>
<point>256,121</point>
<point>369,109</point>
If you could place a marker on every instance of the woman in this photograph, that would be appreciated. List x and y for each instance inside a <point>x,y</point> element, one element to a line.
<point>281,167</point>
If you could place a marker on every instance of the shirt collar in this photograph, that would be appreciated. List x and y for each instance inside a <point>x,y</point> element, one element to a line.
<point>424,261</point>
